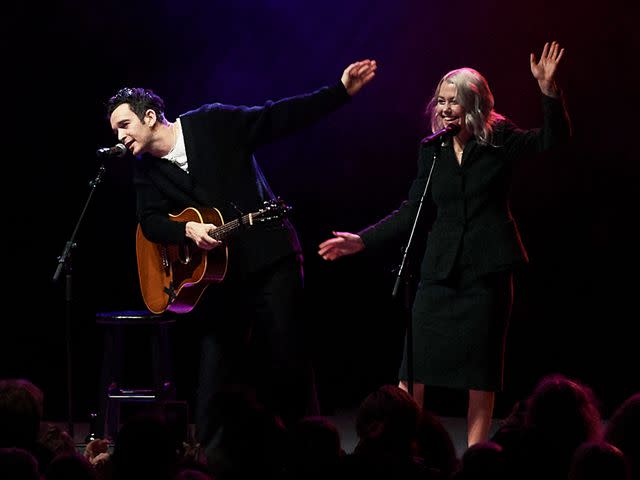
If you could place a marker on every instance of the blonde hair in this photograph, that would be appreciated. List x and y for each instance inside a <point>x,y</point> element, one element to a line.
<point>474,94</point>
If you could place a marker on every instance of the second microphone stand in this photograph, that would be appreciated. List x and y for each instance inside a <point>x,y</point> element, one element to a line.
<point>402,275</point>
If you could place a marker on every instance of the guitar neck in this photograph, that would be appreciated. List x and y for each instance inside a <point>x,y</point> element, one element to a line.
<point>225,230</point>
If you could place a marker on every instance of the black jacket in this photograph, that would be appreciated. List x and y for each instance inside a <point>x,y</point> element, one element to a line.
<point>473,222</point>
<point>220,141</point>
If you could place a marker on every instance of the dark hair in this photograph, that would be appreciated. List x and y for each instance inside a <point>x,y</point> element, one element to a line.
<point>139,99</point>
<point>21,404</point>
<point>483,460</point>
<point>70,466</point>
<point>316,439</point>
<point>18,463</point>
<point>56,440</point>
<point>143,437</point>
<point>592,460</point>
<point>623,431</point>
<point>564,407</point>
<point>388,415</point>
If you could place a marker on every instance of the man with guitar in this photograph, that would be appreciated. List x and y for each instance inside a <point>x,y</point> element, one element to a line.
<point>204,159</point>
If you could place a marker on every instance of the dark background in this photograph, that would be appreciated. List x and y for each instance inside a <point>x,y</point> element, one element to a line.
<point>575,304</point>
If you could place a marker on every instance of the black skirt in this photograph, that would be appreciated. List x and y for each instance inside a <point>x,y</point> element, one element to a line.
<point>459,331</point>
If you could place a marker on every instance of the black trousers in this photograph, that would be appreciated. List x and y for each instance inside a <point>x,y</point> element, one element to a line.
<point>253,338</point>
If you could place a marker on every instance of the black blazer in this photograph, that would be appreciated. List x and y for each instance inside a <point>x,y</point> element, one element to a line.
<point>220,141</point>
<point>473,223</point>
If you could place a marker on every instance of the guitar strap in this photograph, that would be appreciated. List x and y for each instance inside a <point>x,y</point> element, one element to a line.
<point>261,182</point>
<point>263,186</point>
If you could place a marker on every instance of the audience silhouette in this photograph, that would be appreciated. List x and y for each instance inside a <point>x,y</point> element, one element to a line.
<point>623,431</point>
<point>598,461</point>
<point>554,433</point>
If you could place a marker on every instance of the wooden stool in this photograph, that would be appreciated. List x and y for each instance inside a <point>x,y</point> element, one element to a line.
<point>113,392</point>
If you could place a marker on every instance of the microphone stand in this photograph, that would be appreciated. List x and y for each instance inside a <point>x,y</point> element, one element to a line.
<point>64,263</point>
<point>403,276</point>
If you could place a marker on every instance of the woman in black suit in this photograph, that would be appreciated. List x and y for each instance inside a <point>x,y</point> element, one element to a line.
<point>463,302</point>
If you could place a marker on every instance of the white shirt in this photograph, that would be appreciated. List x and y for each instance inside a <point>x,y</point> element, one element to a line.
<point>178,153</point>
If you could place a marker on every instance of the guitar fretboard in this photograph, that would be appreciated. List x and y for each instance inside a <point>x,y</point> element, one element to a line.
<point>226,229</point>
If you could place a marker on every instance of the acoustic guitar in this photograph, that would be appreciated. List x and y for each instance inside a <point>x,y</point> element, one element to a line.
<point>174,276</point>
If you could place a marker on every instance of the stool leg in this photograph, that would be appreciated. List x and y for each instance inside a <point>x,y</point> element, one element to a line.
<point>112,422</point>
<point>112,367</point>
<point>167,360</point>
<point>105,380</point>
<point>156,360</point>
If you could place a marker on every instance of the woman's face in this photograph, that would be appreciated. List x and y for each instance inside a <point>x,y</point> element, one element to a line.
<point>448,110</point>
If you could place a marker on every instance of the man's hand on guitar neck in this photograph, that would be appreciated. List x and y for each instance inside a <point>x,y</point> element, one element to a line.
<point>199,233</point>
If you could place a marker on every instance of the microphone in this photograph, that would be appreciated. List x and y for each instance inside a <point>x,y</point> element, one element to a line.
<point>118,150</point>
<point>448,131</point>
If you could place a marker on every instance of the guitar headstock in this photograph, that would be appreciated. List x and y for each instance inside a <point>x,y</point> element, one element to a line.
<point>272,210</point>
